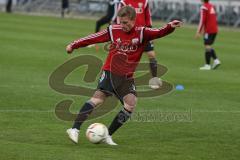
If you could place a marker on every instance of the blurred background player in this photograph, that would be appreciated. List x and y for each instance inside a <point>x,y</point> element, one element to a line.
<point>209,27</point>
<point>119,67</point>
<point>65,7</point>
<point>144,19</point>
<point>9,6</point>
<point>108,18</point>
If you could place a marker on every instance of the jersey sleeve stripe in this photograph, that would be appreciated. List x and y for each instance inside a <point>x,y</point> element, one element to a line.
<point>146,3</point>
<point>94,35</point>
<point>91,36</point>
<point>203,7</point>
<point>141,34</point>
<point>111,34</point>
<point>123,3</point>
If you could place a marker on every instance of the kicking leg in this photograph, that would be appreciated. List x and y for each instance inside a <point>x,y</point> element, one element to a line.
<point>129,105</point>
<point>97,99</point>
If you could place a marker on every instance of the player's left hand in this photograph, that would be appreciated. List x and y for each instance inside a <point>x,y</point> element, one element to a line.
<point>175,23</point>
<point>69,49</point>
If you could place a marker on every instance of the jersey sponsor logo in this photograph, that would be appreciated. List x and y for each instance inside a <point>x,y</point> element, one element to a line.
<point>125,46</point>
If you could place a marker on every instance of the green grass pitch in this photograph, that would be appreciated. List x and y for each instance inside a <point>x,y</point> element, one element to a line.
<point>31,48</point>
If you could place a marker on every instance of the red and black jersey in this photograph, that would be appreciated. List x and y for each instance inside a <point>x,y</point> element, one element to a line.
<point>142,10</point>
<point>208,19</point>
<point>126,48</point>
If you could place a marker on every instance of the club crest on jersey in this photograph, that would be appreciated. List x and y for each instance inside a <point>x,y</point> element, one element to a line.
<point>135,41</point>
<point>118,40</point>
<point>139,10</point>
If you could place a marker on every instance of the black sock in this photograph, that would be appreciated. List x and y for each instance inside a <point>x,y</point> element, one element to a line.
<point>119,120</point>
<point>83,114</point>
<point>213,54</point>
<point>207,57</point>
<point>153,66</point>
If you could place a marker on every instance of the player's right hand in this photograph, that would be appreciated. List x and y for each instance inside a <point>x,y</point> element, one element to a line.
<point>69,49</point>
<point>197,35</point>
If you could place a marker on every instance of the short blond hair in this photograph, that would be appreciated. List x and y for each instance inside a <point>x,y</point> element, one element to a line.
<point>127,11</point>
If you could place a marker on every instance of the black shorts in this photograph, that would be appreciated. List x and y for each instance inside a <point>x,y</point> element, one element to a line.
<point>120,86</point>
<point>149,46</point>
<point>209,38</point>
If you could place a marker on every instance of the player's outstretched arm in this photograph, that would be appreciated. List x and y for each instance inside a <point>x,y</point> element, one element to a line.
<point>154,33</point>
<point>99,37</point>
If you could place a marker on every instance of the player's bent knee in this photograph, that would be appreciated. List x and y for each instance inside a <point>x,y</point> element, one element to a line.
<point>130,101</point>
<point>129,107</point>
<point>96,101</point>
<point>208,48</point>
<point>151,54</point>
<point>98,98</point>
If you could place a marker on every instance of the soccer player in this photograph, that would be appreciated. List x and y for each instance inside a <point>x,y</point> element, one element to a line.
<point>144,19</point>
<point>127,45</point>
<point>9,6</point>
<point>208,25</point>
<point>110,16</point>
<point>65,7</point>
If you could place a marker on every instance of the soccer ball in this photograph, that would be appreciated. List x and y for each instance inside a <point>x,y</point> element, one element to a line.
<point>96,132</point>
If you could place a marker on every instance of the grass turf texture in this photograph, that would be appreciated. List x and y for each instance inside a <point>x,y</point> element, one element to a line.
<point>32,47</point>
